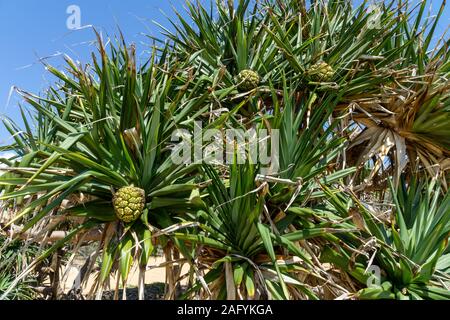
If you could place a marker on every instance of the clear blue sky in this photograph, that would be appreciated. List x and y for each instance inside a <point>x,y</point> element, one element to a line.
<point>32,29</point>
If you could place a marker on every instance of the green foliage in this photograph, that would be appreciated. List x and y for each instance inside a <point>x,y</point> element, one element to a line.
<point>358,100</point>
<point>14,256</point>
<point>409,251</point>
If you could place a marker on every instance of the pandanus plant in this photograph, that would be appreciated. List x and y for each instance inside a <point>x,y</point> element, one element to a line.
<point>409,251</point>
<point>358,100</point>
<point>110,127</point>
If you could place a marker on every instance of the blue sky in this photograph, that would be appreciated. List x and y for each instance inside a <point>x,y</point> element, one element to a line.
<point>30,30</point>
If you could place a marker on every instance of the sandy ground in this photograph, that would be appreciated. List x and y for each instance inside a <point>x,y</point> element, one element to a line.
<point>153,275</point>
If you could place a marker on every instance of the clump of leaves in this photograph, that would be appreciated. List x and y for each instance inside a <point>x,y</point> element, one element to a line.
<point>14,257</point>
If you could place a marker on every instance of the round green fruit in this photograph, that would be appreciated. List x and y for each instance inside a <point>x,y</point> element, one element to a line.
<point>129,203</point>
<point>247,80</point>
<point>321,71</point>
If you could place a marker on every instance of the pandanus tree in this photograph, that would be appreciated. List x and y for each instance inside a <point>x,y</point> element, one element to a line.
<point>359,106</point>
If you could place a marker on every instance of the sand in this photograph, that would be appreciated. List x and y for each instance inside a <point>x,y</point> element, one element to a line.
<point>154,275</point>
